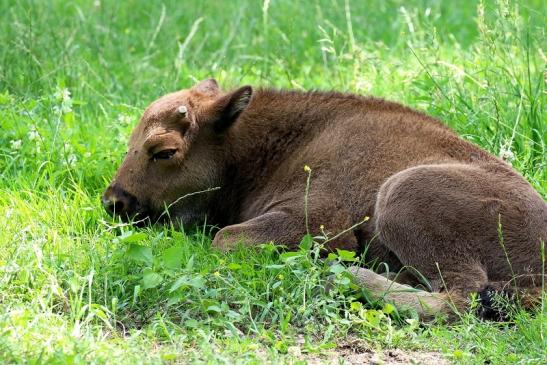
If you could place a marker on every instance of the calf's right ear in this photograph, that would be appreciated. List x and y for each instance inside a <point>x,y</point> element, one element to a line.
<point>230,106</point>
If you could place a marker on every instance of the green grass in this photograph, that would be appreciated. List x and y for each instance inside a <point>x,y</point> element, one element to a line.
<point>76,287</point>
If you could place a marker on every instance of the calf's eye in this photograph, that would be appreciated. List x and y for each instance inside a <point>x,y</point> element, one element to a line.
<point>164,154</point>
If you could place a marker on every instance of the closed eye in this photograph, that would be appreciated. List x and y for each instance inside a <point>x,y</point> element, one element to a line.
<point>164,154</point>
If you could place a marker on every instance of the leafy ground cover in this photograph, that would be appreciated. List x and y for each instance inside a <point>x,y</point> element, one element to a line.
<point>77,287</point>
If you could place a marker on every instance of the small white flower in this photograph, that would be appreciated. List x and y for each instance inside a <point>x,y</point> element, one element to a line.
<point>63,96</point>
<point>459,74</point>
<point>506,154</point>
<point>125,119</point>
<point>66,107</point>
<point>33,133</point>
<point>70,160</point>
<point>363,85</point>
<point>16,144</point>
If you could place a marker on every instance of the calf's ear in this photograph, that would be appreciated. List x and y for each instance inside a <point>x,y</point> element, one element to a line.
<point>208,87</point>
<point>230,106</point>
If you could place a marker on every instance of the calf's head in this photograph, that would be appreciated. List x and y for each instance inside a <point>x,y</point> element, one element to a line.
<point>176,150</point>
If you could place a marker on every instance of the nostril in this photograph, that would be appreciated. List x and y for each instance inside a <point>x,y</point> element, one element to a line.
<point>113,206</point>
<point>117,206</point>
<point>117,201</point>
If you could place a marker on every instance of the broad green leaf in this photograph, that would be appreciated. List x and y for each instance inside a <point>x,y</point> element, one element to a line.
<point>346,255</point>
<point>183,280</point>
<point>232,314</point>
<point>328,345</point>
<point>337,269</point>
<point>132,237</point>
<point>343,281</point>
<point>373,317</point>
<point>174,298</point>
<point>210,305</point>
<point>170,357</point>
<point>234,266</point>
<point>458,354</point>
<point>178,236</point>
<point>151,279</point>
<point>286,256</point>
<point>388,308</point>
<point>306,243</point>
<point>214,308</point>
<point>172,257</point>
<point>190,263</point>
<point>195,282</point>
<point>140,253</point>
<point>191,323</point>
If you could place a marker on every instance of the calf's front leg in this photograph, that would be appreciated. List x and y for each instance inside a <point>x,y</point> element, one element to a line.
<point>275,226</point>
<point>282,228</point>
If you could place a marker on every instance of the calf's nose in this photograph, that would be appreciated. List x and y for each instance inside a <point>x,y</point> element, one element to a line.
<point>117,201</point>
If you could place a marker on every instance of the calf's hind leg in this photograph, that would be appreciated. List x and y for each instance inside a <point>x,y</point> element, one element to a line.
<point>435,218</point>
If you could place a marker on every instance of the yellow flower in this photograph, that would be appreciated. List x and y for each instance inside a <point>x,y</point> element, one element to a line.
<point>307,168</point>
<point>216,273</point>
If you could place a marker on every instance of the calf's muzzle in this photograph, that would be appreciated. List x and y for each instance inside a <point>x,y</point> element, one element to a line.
<point>119,202</point>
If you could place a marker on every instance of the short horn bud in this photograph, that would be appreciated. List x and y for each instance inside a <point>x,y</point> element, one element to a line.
<point>182,110</point>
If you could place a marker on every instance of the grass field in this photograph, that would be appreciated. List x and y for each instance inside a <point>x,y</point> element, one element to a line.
<point>77,287</point>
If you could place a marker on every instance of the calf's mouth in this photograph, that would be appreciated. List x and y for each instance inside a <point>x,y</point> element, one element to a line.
<point>120,203</point>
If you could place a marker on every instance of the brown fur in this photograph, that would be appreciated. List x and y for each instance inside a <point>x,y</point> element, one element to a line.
<point>437,202</point>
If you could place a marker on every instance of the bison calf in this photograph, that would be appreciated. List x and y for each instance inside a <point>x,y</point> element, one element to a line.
<point>438,204</point>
